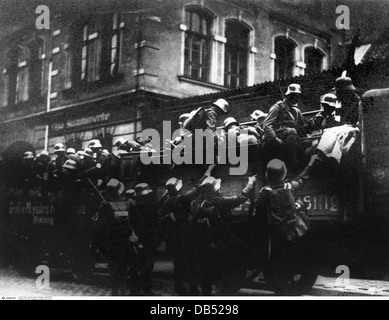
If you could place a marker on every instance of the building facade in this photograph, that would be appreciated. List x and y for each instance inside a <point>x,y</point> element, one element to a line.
<point>102,74</point>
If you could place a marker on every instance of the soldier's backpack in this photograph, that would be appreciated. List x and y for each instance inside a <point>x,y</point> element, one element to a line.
<point>193,122</point>
<point>295,223</point>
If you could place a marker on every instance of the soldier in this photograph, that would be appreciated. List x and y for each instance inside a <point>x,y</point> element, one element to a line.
<point>60,152</point>
<point>28,165</point>
<point>326,118</point>
<point>285,125</point>
<point>40,165</point>
<point>251,138</point>
<point>146,225</point>
<point>96,146</point>
<point>128,146</point>
<point>113,235</point>
<point>70,151</point>
<point>89,160</point>
<point>206,118</point>
<point>218,249</point>
<point>260,118</point>
<point>175,211</point>
<point>274,205</point>
<point>346,93</point>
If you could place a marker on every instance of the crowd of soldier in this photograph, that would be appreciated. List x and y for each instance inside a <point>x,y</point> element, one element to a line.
<point>127,227</point>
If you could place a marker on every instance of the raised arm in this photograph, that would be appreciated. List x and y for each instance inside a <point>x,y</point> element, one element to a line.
<point>229,203</point>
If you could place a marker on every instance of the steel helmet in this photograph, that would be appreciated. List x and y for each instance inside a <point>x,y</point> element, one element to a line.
<point>105,152</point>
<point>293,88</point>
<point>329,99</point>
<point>71,151</point>
<point>88,152</point>
<point>80,154</point>
<point>44,154</point>
<point>258,115</point>
<point>119,142</point>
<point>174,182</point>
<point>115,187</point>
<point>70,164</point>
<point>276,170</point>
<point>28,155</point>
<point>142,189</point>
<point>59,147</point>
<point>95,144</point>
<point>130,193</point>
<point>212,182</point>
<point>223,105</point>
<point>344,84</point>
<point>230,121</point>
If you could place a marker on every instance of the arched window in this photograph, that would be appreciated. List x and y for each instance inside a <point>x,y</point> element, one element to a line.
<point>198,44</point>
<point>314,60</point>
<point>36,68</point>
<point>285,58</point>
<point>236,54</point>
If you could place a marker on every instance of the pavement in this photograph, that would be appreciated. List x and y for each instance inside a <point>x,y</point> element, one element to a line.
<point>13,284</point>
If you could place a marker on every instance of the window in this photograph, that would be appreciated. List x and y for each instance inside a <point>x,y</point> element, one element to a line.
<point>116,41</point>
<point>94,50</point>
<point>22,77</point>
<point>4,95</point>
<point>285,58</point>
<point>36,68</point>
<point>236,54</point>
<point>314,60</point>
<point>16,76</point>
<point>198,45</point>
<point>91,53</point>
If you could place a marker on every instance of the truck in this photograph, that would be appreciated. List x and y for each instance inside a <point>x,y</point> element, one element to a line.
<point>347,208</point>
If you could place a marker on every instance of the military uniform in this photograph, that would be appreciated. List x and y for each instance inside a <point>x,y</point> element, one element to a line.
<point>176,212</point>
<point>273,206</point>
<point>111,236</point>
<point>217,247</point>
<point>288,124</point>
<point>145,220</point>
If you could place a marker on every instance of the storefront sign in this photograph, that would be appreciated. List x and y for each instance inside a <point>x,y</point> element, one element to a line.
<point>81,122</point>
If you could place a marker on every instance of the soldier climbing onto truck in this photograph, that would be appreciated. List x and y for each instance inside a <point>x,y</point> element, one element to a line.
<point>218,250</point>
<point>285,221</point>
<point>176,214</point>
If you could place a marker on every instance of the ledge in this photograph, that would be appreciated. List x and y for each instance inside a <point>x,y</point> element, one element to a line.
<point>201,83</point>
<point>86,87</point>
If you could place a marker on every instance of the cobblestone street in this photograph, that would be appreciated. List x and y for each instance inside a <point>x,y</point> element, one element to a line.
<point>12,284</point>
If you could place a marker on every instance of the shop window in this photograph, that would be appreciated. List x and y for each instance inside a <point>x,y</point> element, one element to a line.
<point>285,58</point>
<point>236,54</point>
<point>314,60</point>
<point>198,45</point>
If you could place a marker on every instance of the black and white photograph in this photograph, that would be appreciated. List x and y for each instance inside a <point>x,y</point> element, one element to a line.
<point>188,149</point>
